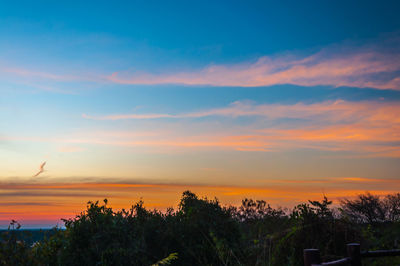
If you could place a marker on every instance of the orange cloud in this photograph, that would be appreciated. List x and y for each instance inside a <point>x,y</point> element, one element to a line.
<point>371,127</point>
<point>31,202</point>
<point>365,128</point>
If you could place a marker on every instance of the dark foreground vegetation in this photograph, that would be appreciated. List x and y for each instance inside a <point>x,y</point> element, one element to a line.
<point>202,232</point>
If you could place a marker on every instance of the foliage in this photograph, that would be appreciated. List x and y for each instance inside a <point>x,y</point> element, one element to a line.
<point>13,251</point>
<point>166,261</point>
<point>202,232</point>
<point>366,208</point>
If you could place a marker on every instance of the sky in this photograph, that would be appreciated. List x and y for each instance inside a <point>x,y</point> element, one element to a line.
<point>283,101</point>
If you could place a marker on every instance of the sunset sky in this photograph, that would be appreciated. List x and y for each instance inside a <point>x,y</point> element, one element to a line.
<point>277,100</point>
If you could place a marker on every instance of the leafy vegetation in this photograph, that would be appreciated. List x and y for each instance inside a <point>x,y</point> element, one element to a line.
<point>202,232</point>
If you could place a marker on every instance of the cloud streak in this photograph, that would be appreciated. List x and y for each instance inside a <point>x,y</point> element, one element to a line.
<point>369,127</point>
<point>365,128</point>
<point>65,199</point>
<point>334,110</point>
<point>373,66</point>
<point>354,67</point>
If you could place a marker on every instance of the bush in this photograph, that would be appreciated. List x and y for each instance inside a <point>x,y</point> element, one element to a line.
<point>202,232</point>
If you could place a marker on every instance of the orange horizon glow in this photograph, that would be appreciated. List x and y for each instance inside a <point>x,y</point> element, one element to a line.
<point>50,202</point>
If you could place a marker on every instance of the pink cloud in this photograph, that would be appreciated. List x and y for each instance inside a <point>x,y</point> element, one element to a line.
<point>128,116</point>
<point>328,110</point>
<point>340,65</point>
<point>70,149</point>
<point>356,68</point>
<point>367,127</point>
<point>43,75</point>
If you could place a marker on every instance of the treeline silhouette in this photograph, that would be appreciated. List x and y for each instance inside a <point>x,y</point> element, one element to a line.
<point>202,232</point>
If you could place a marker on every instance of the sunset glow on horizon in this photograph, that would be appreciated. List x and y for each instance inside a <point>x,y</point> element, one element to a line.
<point>227,99</point>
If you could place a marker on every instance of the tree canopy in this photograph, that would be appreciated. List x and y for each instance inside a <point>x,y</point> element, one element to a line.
<point>203,232</point>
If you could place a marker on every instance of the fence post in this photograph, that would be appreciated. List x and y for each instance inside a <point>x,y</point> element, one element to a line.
<point>354,253</point>
<point>311,256</point>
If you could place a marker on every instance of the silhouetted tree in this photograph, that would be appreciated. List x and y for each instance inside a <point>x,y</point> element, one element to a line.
<point>366,208</point>
<point>202,232</point>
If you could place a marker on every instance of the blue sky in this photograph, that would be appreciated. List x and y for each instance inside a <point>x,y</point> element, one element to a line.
<point>154,34</point>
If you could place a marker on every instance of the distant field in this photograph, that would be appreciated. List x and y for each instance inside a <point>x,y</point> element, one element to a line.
<point>30,236</point>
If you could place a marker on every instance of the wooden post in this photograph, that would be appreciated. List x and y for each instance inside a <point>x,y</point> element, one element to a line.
<point>354,253</point>
<point>311,256</point>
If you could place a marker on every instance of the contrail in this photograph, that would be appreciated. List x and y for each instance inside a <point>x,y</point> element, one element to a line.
<point>41,169</point>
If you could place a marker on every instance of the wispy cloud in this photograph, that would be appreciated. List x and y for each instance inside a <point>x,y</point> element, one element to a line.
<point>122,188</point>
<point>365,128</point>
<point>370,127</point>
<point>23,72</point>
<point>334,110</point>
<point>65,199</point>
<point>339,65</point>
<point>345,66</point>
<point>63,81</point>
<point>70,149</point>
<point>130,116</point>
